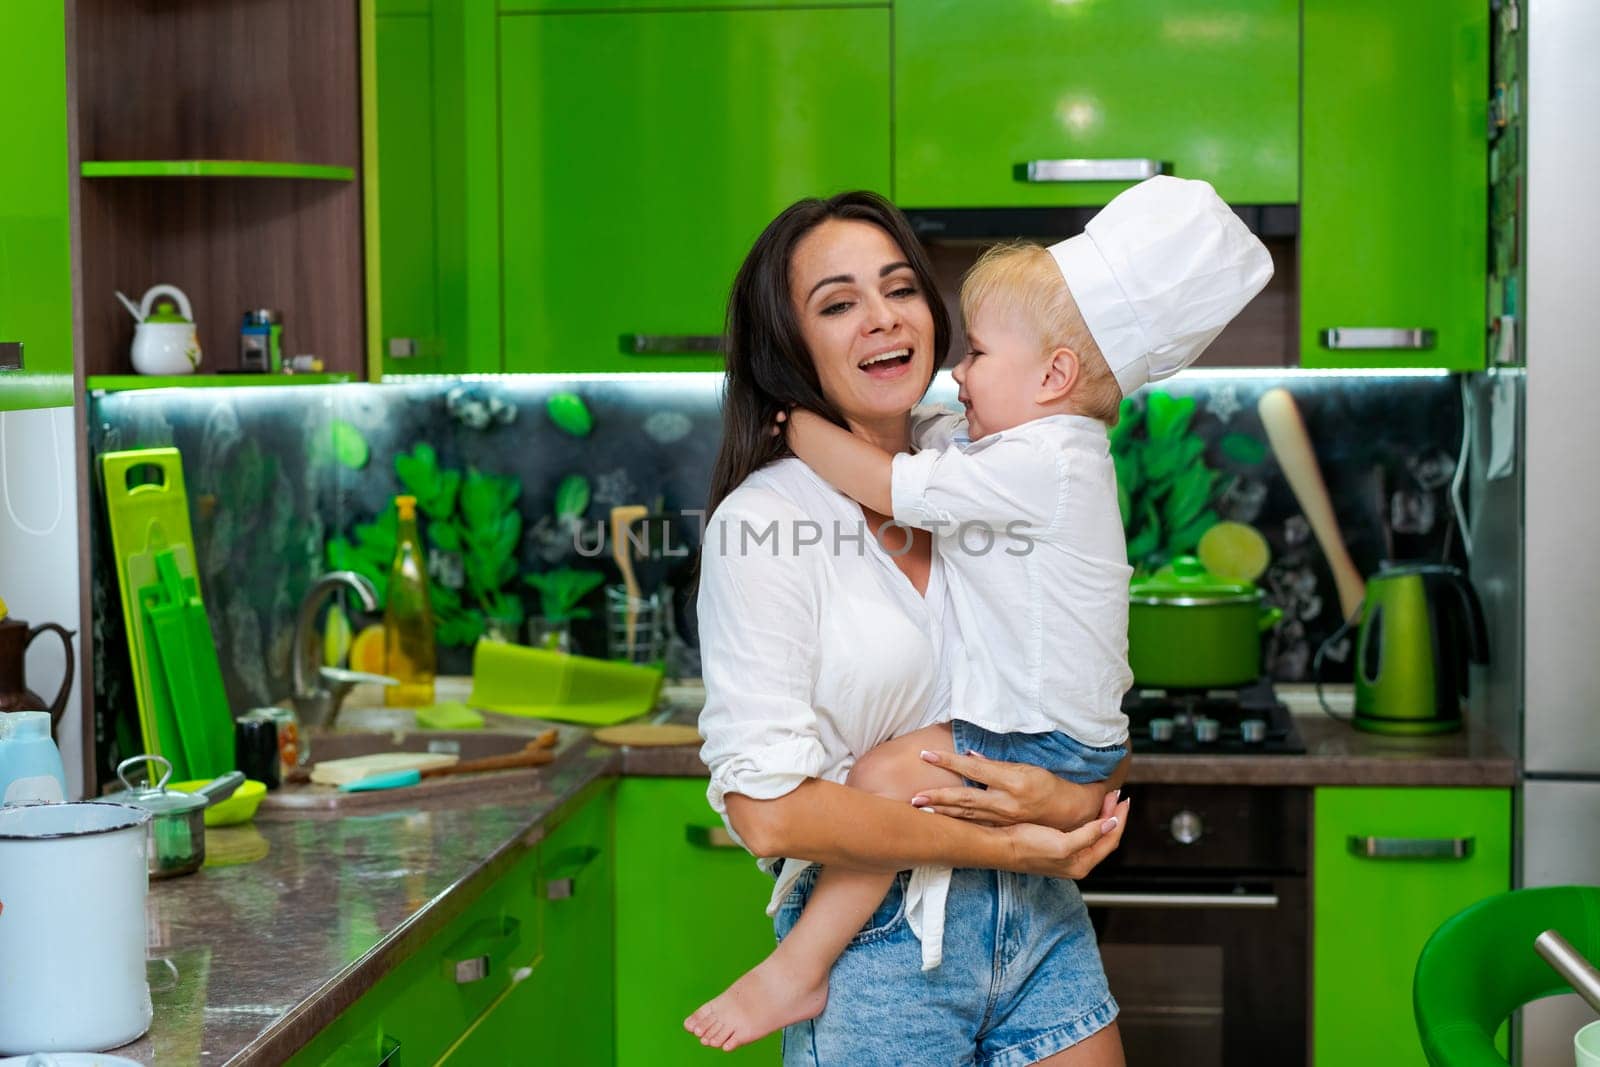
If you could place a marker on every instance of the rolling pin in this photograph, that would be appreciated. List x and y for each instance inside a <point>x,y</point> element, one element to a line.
<point>1286,430</point>
<point>535,753</point>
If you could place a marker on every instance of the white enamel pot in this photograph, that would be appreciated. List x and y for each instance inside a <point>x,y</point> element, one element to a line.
<point>72,927</point>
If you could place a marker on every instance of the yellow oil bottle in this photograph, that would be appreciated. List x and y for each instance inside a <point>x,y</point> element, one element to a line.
<point>408,615</point>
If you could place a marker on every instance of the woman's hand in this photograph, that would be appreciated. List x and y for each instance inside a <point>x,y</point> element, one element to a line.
<point>1016,793</point>
<point>1041,850</point>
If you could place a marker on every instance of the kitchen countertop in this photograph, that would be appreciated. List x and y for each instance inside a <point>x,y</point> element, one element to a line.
<point>250,960</point>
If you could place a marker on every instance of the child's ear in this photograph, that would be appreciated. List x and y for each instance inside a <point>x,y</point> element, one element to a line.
<point>1061,372</point>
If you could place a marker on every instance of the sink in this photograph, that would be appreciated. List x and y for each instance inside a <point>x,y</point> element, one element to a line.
<point>507,736</point>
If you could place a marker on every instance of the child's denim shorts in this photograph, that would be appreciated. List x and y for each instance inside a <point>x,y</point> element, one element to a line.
<point>1021,980</point>
<point>1056,752</point>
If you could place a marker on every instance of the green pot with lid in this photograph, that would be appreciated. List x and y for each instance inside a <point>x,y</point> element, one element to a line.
<point>1191,629</point>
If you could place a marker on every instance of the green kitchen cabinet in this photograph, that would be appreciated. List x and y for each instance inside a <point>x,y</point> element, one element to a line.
<point>407,272</point>
<point>1209,88</point>
<point>1389,866</point>
<point>434,995</point>
<point>641,154</point>
<point>691,917</point>
<point>563,1011</point>
<point>35,216</point>
<point>1394,197</point>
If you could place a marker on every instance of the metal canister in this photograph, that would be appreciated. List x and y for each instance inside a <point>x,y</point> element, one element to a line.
<point>261,341</point>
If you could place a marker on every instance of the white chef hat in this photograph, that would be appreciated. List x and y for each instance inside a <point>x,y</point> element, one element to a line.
<point>1158,273</point>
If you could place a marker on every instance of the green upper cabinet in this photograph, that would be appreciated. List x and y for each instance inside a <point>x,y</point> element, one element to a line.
<point>1394,209</point>
<point>35,221</point>
<point>1389,866</point>
<point>643,152</point>
<point>1207,87</point>
<point>410,335</point>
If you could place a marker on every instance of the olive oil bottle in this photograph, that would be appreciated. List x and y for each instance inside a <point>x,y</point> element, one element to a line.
<point>408,615</point>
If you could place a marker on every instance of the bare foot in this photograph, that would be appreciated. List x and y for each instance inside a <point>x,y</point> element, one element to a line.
<point>769,997</point>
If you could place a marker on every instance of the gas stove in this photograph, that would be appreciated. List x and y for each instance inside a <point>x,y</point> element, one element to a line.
<point>1247,721</point>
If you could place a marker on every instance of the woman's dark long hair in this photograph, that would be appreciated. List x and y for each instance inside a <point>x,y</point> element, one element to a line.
<point>769,368</point>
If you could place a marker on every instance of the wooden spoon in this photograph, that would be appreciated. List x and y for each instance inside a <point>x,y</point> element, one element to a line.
<point>622,553</point>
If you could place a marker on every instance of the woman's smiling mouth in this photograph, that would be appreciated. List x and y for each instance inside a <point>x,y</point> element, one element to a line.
<point>888,364</point>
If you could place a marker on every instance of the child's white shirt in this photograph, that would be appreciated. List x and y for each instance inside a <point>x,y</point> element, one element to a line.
<point>1036,565</point>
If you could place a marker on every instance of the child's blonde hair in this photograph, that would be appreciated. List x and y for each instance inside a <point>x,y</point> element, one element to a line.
<point>1025,281</point>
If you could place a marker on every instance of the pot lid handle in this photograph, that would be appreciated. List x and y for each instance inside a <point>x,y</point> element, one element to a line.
<point>150,757</point>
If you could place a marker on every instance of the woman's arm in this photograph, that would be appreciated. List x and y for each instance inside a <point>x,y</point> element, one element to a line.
<point>1017,792</point>
<point>855,467</point>
<point>830,823</point>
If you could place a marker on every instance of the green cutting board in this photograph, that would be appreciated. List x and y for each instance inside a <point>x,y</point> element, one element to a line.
<point>148,509</point>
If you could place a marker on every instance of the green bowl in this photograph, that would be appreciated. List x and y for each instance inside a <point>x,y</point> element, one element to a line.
<point>241,807</point>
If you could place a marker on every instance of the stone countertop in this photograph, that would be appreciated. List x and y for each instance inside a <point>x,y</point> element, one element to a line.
<point>297,914</point>
<point>249,960</point>
<point>1336,754</point>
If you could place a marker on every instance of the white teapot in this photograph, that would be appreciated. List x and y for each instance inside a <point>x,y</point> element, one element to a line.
<point>165,341</point>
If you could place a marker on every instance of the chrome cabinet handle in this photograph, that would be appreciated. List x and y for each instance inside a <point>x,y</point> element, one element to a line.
<point>1411,848</point>
<point>670,344</point>
<point>403,348</point>
<point>1091,170</point>
<point>709,837</point>
<point>472,959</point>
<point>1358,337</point>
<point>10,355</point>
<point>1227,901</point>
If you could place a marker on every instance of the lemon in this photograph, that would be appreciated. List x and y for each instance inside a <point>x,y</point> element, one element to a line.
<point>3,609</point>
<point>366,651</point>
<point>1235,551</point>
<point>335,637</point>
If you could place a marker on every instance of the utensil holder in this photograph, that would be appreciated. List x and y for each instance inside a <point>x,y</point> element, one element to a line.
<point>648,618</point>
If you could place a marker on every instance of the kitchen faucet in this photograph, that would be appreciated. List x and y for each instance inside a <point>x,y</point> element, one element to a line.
<point>317,703</point>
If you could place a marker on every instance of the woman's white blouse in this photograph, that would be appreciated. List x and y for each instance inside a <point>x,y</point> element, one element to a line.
<point>814,646</point>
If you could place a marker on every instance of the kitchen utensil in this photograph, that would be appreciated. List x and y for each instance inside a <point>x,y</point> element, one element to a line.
<point>636,627</point>
<point>539,684</point>
<point>231,810</point>
<point>165,341</point>
<point>188,658</point>
<point>355,768</point>
<point>177,829</point>
<point>1189,629</point>
<point>622,553</point>
<point>533,754</point>
<point>30,764</point>
<point>1286,430</point>
<point>376,782</point>
<point>643,735</point>
<point>148,510</point>
<point>72,928</point>
<point>218,789</point>
<point>1419,625</point>
<point>15,637</point>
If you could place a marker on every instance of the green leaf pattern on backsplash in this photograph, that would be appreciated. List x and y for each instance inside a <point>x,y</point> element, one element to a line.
<point>1165,488</point>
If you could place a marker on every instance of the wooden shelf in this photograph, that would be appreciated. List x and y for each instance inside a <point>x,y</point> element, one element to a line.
<point>122,383</point>
<point>214,168</point>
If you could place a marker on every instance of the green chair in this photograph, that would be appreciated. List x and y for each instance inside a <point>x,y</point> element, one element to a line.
<point>1481,965</point>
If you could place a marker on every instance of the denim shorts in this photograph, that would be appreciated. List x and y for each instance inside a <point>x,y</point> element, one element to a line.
<point>1021,980</point>
<point>1056,752</point>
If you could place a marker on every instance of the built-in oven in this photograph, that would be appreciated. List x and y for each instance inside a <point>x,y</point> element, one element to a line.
<point>1202,919</point>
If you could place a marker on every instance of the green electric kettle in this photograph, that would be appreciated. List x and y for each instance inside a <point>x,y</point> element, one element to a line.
<point>1420,625</point>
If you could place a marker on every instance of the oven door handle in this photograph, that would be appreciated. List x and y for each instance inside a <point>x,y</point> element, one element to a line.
<point>1231,901</point>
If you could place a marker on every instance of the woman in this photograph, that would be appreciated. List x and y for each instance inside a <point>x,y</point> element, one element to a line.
<point>820,627</point>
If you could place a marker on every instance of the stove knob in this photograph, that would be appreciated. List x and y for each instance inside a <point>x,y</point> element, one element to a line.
<point>1185,828</point>
<point>1206,731</point>
<point>1161,730</point>
<point>1253,731</point>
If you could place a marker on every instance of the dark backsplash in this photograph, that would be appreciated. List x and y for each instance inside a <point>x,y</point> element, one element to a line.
<point>276,475</point>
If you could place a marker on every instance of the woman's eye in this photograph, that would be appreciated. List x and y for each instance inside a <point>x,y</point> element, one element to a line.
<point>837,309</point>
<point>973,353</point>
<point>905,291</point>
